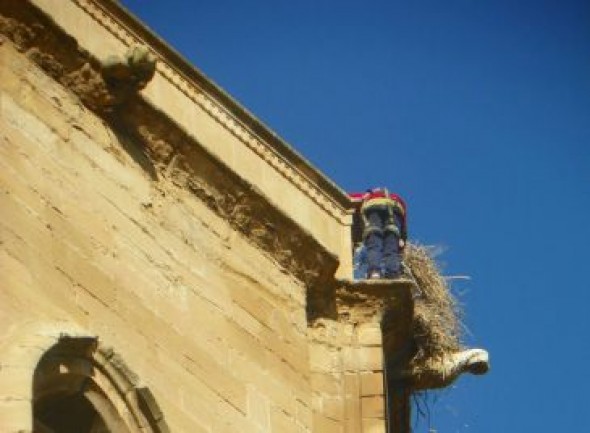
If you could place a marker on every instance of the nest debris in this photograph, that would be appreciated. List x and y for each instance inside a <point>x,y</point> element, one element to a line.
<point>437,326</point>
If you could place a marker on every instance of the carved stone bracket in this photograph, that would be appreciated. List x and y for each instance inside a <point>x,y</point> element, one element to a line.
<point>128,74</point>
<point>114,81</point>
<point>100,84</point>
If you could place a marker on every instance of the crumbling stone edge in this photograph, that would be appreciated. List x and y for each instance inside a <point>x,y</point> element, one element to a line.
<point>171,153</point>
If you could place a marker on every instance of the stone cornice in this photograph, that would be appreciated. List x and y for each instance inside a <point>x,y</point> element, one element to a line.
<point>222,107</point>
<point>165,150</point>
<point>363,301</point>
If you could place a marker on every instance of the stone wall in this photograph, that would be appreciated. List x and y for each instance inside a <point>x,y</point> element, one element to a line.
<point>219,124</point>
<point>208,321</point>
<point>170,257</point>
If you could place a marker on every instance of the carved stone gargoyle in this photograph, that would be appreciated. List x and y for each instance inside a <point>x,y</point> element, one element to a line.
<point>126,75</point>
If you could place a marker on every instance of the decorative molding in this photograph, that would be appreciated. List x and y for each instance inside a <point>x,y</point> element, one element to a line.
<point>106,20</point>
<point>217,111</point>
<point>167,153</point>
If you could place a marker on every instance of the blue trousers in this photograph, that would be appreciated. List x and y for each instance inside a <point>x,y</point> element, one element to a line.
<point>381,244</point>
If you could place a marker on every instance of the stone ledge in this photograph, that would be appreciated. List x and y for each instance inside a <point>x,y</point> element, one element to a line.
<point>374,299</point>
<point>229,113</point>
<point>361,301</point>
<point>165,150</point>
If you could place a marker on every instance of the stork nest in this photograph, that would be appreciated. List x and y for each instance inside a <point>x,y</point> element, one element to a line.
<point>437,325</point>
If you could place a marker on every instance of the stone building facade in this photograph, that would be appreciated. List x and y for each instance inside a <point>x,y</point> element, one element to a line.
<point>167,263</point>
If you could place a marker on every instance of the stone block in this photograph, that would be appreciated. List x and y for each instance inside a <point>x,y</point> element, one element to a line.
<point>326,383</point>
<point>258,408</point>
<point>372,407</point>
<point>11,69</point>
<point>304,415</point>
<point>371,384</point>
<point>373,425</point>
<point>282,422</point>
<point>28,124</point>
<point>369,334</point>
<point>352,405</point>
<point>278,392</point>
<point>16,382</point>
<point>99,132</point>
<point>293,364</point>
<point>323,424</point>
<point>350,361</point>
<point>370,358</point>
<point>16,415</point>
<point>333,407</point>
<point>323,358</point>
<point>181,419</point>
<point>47,111</point>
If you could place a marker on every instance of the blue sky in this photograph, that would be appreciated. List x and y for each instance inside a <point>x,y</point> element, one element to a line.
<point>478,113</point>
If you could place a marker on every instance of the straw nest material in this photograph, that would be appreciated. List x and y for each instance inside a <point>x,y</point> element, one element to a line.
<point>437,325</point>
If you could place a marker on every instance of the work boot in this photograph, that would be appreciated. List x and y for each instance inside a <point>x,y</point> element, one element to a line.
<point>444,371</point>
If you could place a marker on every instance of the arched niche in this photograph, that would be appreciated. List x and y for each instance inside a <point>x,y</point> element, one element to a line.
<point>55,378</point>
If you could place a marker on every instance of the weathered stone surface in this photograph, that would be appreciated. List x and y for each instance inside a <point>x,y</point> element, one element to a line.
<point>190,242</point>
<point>78,238</point>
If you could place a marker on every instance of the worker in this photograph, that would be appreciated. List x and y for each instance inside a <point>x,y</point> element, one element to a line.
<point>384,231</point>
